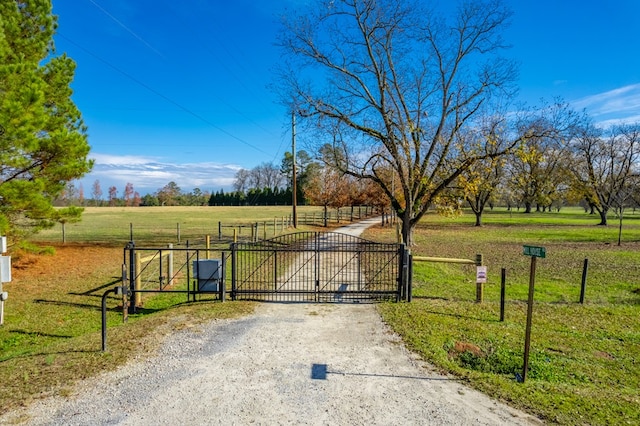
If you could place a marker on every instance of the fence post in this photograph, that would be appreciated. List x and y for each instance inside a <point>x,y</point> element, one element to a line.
<point>178,230</point>
<point>234,262</point>
<point>138,282</point>
<point>404,269</point>
<point>503,291</point>
<point>410,286</point>
<point>131,309</point>
<point>219,230</point>
<point>223,280</point>
<point>170,264</point>
<point>479,285</point>
<point>207,243</point>
<point>583,285</point>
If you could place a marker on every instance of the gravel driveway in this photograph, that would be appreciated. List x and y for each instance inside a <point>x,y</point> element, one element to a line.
<point>297,363</point>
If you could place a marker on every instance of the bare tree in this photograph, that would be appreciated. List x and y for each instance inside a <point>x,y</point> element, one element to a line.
<point>113,196</point>
<point>128,194</point>
<point>96,192</point>
<point>265,175</point>
<point>480,183</point>
<point>240,184</point>
<point>605,167</point>
<point>270,176</point>
<point>394,84</point>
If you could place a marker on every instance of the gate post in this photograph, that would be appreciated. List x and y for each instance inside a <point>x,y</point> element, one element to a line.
<point>132,276</point>
<point>402,273</point>
<point>410,279</point>
<point>223,282</point>
<point>234,266</point>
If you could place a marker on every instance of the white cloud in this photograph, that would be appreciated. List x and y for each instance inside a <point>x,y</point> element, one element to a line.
<point>148,174</point>
<point>616,106</point>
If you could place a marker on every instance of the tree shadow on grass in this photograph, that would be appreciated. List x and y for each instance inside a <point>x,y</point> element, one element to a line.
<point>116,280</point>
<point>78,305</point>
<point>459,316</point>
<point>40,354</point>
<point>39,334</point>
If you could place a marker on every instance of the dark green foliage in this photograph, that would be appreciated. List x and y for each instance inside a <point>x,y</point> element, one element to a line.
<point>44,144</point>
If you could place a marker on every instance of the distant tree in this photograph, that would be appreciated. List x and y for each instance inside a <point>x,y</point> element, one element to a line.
<point>128,194</point>
<point>536,170</point>
<point>605,168</point>
<point>113,196</point>
<point>96,192</point>
<point>67,197</point>
<point>44,144</point>
<point>479,184</point>
<point>81,194</point>
<point>169,195</point>
<point>241,180</point>
<point>197,198</point>
<point>137,200</point>
<point>149,200</point>
<point>304,167</point>
<point>70,214</point>
<point>328,188</point>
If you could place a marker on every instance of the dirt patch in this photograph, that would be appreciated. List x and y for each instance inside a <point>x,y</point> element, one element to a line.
<point>65,259</point>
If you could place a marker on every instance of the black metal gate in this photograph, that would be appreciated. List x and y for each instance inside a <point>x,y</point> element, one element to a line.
<point>320,267</point>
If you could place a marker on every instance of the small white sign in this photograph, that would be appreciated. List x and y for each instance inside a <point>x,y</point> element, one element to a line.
<point>481,274</point>
<point>5,269</point>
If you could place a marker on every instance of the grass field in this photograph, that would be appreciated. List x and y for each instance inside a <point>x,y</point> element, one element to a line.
<point>585,359</point>
<point>178,224</point>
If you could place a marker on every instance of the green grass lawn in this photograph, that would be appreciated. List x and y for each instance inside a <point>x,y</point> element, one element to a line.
<point>585,358</point>
<point>181,224</point>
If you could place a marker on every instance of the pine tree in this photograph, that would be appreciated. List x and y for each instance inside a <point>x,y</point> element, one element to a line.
<point>44,143</point>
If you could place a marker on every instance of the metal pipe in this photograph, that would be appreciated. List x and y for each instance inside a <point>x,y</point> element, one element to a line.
<point>115,290</point>
<point>443,260</point>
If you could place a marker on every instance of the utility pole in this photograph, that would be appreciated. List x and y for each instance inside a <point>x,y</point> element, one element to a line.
<point>293,156</point>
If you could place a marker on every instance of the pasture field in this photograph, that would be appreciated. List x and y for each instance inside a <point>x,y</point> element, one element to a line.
<point>585,359</point>
<point>584,365</point>
<point>172,224</point>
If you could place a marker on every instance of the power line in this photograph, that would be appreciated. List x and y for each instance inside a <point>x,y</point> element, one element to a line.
<point>208,49</point>
<point>161,95</point>
<point>143,41</point>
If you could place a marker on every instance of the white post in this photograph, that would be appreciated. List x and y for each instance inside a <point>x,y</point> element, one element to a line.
<point>3,295</point>
<point>1,299</point>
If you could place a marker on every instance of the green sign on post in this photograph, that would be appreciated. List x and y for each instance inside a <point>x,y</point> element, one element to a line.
<point>534,251</point>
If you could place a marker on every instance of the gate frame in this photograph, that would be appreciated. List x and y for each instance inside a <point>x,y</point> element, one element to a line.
<point>402,286</point>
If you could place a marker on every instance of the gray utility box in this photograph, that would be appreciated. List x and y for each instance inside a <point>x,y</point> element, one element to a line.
<point>208,273</point>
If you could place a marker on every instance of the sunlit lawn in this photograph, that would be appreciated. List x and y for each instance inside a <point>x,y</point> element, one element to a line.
<point>585,359</point>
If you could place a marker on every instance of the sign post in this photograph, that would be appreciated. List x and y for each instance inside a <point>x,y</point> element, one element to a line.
<point>534,252</point>
<point>5,275</point>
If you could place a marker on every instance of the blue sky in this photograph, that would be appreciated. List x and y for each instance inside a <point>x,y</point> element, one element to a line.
<point>179,91</point>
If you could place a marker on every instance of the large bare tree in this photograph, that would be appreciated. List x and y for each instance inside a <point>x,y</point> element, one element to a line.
<point>393,84</point>
<point>605,167</point>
